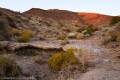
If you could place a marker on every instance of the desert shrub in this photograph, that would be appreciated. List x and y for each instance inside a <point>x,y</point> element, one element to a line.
<point>25,36</point>
<point>62,60</point>
<point>8,68</point>
<point>4,35</point>
<point>108,37</point>
<point>62,37</point>
<point>21,35</point>
<point>115,20</point>
<point>15,33</point>
<point>111,35</point>
<point>88,31</point>
<point>56,61</point>
<point>70,57</point>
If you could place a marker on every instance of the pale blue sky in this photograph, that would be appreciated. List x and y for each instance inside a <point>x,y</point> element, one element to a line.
<point>110,7</point>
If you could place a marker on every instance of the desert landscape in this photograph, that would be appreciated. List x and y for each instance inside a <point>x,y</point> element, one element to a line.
<point>58,44</point>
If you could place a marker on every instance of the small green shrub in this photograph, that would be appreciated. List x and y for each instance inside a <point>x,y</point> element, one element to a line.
<point>88,31</point>
<point>8,68</point>
<point>115,20</point>
<point>62,60</point>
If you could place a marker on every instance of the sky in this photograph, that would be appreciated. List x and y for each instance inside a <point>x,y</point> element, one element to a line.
<point>108,7</point>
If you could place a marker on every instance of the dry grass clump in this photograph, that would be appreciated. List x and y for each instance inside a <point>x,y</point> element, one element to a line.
<point>21,35</point>
<point>25,36</point>
<point>56,61</point>
<point>8,68</point>
<point>111,35</point>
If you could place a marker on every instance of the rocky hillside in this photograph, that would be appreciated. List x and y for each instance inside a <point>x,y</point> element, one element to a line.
<point>55,23</point>
<point>84,46</point>
<point>14,19</point>
<point>50,24</point>
<point>76,17</point>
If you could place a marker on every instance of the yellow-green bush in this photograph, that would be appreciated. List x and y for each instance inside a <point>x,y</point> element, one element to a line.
<point>25,36</point>
<point>62,60</point>
<point>8,68</point>
<point>56,61</point>
<point>70,57</point>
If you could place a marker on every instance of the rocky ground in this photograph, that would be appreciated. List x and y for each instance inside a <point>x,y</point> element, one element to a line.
<point>103,61</point>
<point>30,40</point>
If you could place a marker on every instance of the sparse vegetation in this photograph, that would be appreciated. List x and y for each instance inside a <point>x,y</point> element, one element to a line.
<point>56,61</point>
<point>62,60</point>
<point>70,57</point>
<point>88,31</point>
<point>8,68</point>
<point>81,33</point>
<point>115,20</point>
<point>62,37</point>
<point>111,35</point>
<point>25,36</point>
<point>21,35</point>
<point>4,35</point>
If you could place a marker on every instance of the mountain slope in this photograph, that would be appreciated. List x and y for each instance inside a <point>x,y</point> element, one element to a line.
<point>54,23</point>
<point>83,18</point>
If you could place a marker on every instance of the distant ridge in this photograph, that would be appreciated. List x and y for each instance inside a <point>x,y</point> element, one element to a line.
<point>84,17</point>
